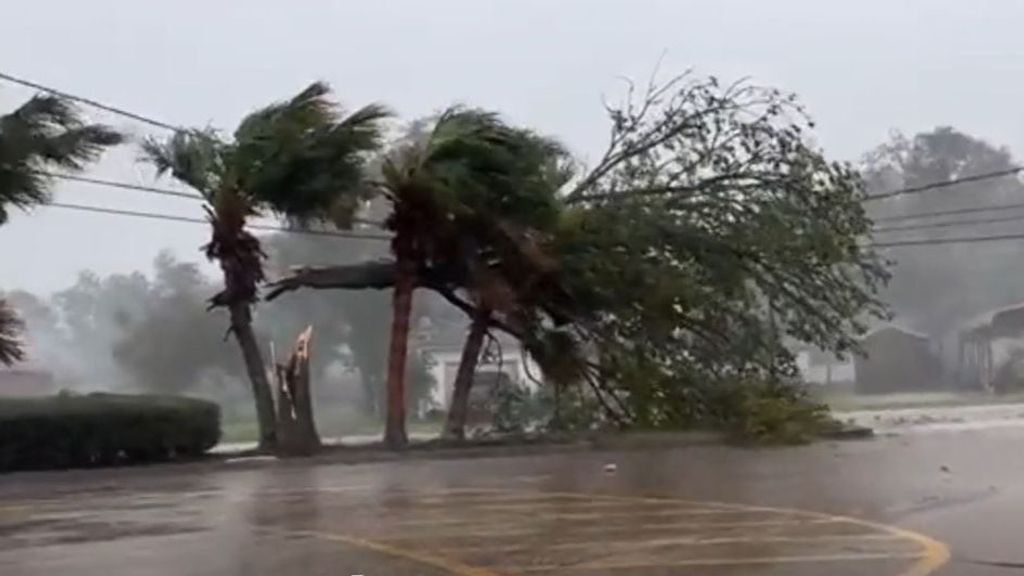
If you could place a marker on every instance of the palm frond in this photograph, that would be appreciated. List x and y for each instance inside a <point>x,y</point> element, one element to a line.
<point>11,347</point>
<point>44,133</point>
<point>76,147</point>
<point>309,109</point>
<point>306,161</point>
<point>41,113</point>
<point>194,158</point>
<point>21,186</point>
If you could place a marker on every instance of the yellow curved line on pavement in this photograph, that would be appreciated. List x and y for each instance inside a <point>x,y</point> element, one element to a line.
<point>447,564</point>
<point>934,554</point>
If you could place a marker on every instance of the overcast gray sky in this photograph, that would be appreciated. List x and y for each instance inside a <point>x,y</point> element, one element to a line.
<point>862,68</point>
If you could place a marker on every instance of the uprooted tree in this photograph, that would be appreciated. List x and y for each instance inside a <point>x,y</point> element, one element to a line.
<point>710,230</point>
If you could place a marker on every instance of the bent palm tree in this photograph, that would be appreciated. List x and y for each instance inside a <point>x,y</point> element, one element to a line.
<point>300,158</point>
<point>43,134</point>
<point>460,197</point>
<point>512,260</point>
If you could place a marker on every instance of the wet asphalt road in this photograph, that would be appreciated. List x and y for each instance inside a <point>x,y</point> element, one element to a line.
<point>890,506</point>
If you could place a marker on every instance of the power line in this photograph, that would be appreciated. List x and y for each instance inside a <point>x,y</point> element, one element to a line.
<point>122,185</point>
<point>945,183</point>
<point>153,122</point>
<point>91,102</point>
<point>951,212</point>
<point>358,235</point>
<point>173,128</point>
<point>953,224</point>
<point>155,190</point>
<point>938,241</point>
<point>194,220</point>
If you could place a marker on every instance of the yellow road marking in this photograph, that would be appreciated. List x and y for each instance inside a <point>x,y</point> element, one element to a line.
<point>450,565</point>
<point>598,529</point>
<point>681,541</point>
<point>934,553</point>
<point>15,513</point>
<point>435,519</point>
<point>553,506</point>
<point>719,562</point>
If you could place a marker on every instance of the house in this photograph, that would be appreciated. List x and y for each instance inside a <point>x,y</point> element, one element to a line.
<point>817,367</point>
<point>441,343</point>
<point>989,347</point>
<point>896,360</point>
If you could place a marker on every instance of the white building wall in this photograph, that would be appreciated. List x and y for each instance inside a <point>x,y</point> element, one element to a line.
<point>821,373</point>
<point>446,365</point>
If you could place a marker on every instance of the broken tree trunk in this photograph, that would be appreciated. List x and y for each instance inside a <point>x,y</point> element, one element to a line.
<point>296,429</point>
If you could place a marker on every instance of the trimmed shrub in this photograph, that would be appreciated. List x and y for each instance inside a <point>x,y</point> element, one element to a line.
<point>66,431</point>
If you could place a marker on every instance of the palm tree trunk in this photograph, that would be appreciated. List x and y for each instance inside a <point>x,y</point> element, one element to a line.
<point>455,424</point>
<point>241,326</point>
<point>401,309</point>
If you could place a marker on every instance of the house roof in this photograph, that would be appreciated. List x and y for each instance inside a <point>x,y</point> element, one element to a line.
<point>897,328</point>
<point>1002,322</point>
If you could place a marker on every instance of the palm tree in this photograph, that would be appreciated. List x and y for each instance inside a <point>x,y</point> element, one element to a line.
<point>462,196</point>
<point>302,159</point>
<point>513,261</point>
<point>44,134</point>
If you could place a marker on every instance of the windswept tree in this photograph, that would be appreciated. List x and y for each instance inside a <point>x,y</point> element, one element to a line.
<point>709,232</point>
<point>44,134</point>
<point>454,193</point>
<point>301,158</point>
<point>463,190</point>
<point>711,229</point>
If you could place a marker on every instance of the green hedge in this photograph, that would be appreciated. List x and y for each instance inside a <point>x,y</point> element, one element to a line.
<point>68,431</point>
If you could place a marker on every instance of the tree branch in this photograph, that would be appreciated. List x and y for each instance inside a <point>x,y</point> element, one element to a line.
<point>374,274</point>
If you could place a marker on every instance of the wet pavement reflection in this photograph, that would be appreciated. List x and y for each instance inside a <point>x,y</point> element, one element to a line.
<point>843,509</point>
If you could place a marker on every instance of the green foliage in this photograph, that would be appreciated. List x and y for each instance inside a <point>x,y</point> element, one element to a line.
<point>43,134</point>
<point>511,407</point>
<point>710,232</point>
<point>11,349</point>
<point>301,158</point>
<point>765,412</point>
<point>572,409</point>
<point>102,429</point>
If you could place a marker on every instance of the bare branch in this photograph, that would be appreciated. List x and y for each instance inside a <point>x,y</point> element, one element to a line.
<point>375,274</point>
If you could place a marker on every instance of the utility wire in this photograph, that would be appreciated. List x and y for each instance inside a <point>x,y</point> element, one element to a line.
<point>343,234</point>
<point>358,235</point>
<point>154,190</point>
<point>939,241</point>
<point>166,126</point>
<point>945,183</point>
<point>197,197</point>
<point>193,220</point>
<point>122,185</point>
<point>952,224</point>
<point>951,212</point>
<point>90,102</point>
